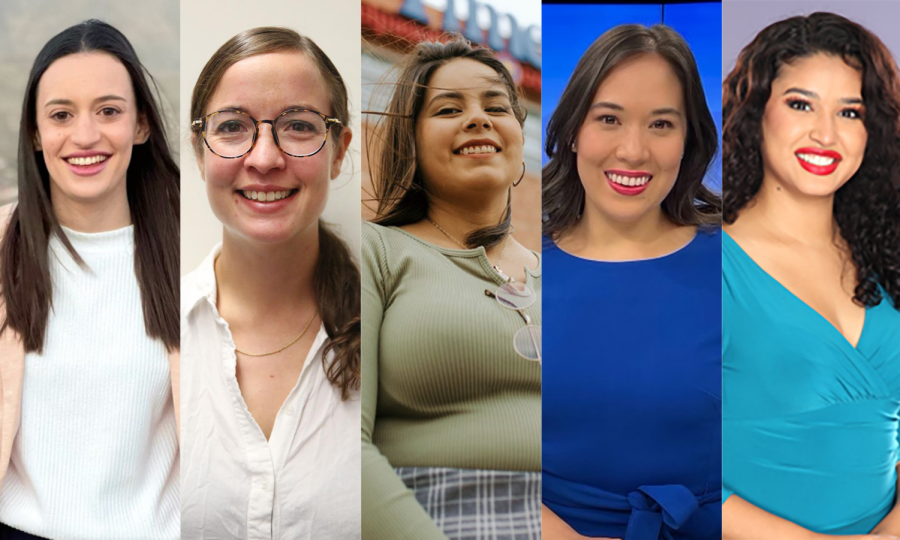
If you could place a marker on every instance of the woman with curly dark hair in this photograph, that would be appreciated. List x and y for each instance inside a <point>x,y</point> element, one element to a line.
<point>811,284</point>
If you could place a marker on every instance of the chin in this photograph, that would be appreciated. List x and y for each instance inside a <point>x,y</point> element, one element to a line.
<point>86,192</point>
<point>817,187</point>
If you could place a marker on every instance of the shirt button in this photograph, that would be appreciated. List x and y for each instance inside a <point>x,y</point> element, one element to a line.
<point>264,483</point>
<point>289,411</point>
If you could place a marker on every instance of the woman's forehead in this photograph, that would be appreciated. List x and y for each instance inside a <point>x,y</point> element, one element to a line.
<point>84,76</point>
<point>268,84</point>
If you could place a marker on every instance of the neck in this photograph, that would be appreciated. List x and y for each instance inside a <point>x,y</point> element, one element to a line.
<point>268,279</point>
<point>459,219</point>
<point>595,229</point>
<point>108,214</point>
<point>787,213</point>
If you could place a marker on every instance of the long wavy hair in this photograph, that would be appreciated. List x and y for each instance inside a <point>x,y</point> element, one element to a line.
<point>399,188</point>
<point>153,199</point>
<point>690,202</point>
<point>867,207</point>
<point>336,276</point>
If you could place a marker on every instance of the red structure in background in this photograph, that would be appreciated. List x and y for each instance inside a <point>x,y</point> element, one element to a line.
<point>395,31</point>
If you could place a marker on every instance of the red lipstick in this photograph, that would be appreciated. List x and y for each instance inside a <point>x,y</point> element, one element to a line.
<point>818,169</point>
<point>622,189</point>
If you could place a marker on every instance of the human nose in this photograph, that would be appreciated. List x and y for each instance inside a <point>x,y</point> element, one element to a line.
<point>265,155</point>
<point>86,133</point>
<point>477,119</point>
<point>824,131</point>
<point>631,148</point>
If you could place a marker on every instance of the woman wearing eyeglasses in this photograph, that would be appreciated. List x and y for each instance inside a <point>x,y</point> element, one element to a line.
<point>270,321</point>
<point>451,311</point>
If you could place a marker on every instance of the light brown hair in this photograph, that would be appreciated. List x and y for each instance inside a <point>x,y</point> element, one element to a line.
<point>336,277</point>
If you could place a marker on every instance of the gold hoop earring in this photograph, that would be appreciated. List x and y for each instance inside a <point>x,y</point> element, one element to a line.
<point>519,181</point>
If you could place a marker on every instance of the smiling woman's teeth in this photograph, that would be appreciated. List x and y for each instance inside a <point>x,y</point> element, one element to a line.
<point>816,160</point>
<point>486,149</point>
<point>82,161</point>
<point>265,196</point>
<point>628,180</point>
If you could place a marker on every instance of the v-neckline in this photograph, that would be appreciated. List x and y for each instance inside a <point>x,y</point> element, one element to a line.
<point>801,301</point>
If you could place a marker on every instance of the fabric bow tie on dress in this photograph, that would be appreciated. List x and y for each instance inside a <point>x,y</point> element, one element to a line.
<point>653,506</point>
<point>648,513</point>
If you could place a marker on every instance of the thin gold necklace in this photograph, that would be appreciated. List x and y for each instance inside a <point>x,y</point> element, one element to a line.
<point>496,267</point>
<point>305,328</point>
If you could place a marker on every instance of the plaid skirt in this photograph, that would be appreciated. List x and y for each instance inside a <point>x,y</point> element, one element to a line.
<point>478,504</point>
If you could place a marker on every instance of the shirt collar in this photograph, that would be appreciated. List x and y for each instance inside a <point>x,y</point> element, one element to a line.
<point>200,284</point>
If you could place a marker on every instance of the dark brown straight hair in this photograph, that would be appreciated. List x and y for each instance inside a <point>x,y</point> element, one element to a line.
<point>690,202</point>
<point>336,276</point>
<point>399,188</point>
<point>153,199</point>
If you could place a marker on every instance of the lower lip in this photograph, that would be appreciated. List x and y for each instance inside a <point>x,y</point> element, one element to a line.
<point>477,156</point>
<point>821,170</point>
<point>266,207</point>
<point>629,191</point>
<point>87,170</point>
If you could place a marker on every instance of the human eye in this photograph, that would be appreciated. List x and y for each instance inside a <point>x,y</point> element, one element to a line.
<point>60,116</point>
<point>110,112</point>
<point>662,124</point>
<point>799,104</point>
<point>231,126</point>
<point>301,126</point>
<point>499,109</point>
<point>447,110</point>
<point>852,114</point>
<point>607,119</point>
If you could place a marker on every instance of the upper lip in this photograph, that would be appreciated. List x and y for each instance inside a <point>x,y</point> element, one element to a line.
<point>86,153</point>
<point>478,142</point>
<point>629,174</point>
<point>265,188</point>
<point>820,152</point>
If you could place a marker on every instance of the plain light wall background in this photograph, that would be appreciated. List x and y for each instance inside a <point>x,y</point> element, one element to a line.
<point>205,26</point>
<point>743,19</point>
<point>27,25</point>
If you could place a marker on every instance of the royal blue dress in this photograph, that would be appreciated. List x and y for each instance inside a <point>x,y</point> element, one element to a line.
<point>632,372</point>
<point>810,422</point>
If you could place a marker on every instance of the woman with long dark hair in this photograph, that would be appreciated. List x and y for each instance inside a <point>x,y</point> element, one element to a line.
<point>811,284</point>
<point>632,381</point>
<point>89,274</point>
<point>270,320</point>
<point>451,308</point>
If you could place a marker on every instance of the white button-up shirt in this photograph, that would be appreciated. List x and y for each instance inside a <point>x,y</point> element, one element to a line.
<point>303,483</point>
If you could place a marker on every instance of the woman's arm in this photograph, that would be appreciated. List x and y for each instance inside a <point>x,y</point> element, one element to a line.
<point>554,528</point>
<point>742,520</point>
<point>389,509</point>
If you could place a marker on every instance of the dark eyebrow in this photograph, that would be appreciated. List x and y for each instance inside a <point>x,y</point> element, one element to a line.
<point>665,110</point>
<point>446,95</point>
<point>607,105</point>
<point>110,97</point>
<point>617,107</point>
<point>487,94</point>
<point>811,94</point>
<point>246,110</point>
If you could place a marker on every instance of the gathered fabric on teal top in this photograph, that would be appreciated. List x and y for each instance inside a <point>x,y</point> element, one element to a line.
<point>810,422</point>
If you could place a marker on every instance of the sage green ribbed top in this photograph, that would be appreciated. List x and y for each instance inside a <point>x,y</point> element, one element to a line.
<point>442,385</point>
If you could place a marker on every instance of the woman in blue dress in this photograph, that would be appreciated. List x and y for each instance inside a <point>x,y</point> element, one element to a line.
<point>632,312</point>
<point>811,283</point>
